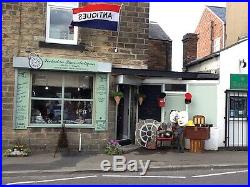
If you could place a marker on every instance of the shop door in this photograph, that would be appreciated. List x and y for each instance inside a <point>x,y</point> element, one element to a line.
<point>126,115</point>
<point>149,108</point>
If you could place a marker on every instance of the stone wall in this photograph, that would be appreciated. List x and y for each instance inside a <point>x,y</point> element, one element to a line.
<point>160,55</point>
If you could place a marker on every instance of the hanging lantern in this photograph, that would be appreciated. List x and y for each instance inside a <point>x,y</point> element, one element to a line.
<point>188,97</point>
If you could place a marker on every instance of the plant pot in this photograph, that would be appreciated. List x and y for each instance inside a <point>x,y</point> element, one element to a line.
<point>140,100</point>
<point>117,99</point>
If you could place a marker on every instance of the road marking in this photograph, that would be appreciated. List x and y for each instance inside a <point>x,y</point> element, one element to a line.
<point>145,176</point>
<point>216,174</point>
<point>52,180</point>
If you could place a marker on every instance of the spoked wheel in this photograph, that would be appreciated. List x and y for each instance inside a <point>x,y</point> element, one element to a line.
<point>146,133</point>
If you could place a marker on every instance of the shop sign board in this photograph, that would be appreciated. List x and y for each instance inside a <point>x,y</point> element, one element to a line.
<point>48,63</point>
<point>21,117</point>
<point>239,81</point>
<point>101,102</point>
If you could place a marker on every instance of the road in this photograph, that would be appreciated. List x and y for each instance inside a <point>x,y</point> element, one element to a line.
<point>216,176</point>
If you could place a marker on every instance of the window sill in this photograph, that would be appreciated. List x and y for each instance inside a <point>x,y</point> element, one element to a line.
<point>80,47</point>
<point>80,126</point>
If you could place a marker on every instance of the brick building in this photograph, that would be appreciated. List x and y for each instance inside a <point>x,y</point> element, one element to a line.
<point>210,34</point>
<point>46,66</point>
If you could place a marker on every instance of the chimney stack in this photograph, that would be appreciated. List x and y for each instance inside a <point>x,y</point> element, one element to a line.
<point>189,48</point>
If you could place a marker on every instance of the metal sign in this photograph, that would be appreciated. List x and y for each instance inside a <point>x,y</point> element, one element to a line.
<point>239,81</point>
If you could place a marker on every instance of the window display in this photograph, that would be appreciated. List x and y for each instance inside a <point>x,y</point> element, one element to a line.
<point>61,98</point>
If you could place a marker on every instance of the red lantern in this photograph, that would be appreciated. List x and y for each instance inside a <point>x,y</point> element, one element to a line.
<point>161,102</point>
<point>188,97</point>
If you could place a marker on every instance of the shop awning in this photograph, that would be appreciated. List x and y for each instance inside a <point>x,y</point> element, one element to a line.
<point>166,74</point>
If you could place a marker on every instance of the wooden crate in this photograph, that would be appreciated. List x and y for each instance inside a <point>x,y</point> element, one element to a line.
<point>196,146</point>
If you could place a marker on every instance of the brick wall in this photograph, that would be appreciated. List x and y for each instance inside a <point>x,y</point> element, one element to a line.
<point>160,55</point>
<point>205,33</point>
<point>24,30</point>
<point>189,48</point>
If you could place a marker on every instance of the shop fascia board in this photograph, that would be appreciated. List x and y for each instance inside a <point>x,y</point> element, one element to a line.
<point>75,64</point>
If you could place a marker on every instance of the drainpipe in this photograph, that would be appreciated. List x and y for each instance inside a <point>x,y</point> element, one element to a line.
<point>80,142</point>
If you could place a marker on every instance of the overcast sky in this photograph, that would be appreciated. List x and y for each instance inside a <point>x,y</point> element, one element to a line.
<point>177,19</point>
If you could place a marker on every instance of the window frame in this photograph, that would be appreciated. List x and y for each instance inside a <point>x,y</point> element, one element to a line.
<point>62,100</point>
<point>61,5</point>
<point>245,109</point>
<point>216,44</point>
<point>175,92</point>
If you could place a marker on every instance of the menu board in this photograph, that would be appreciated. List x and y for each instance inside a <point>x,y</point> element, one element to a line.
<point>101,99</point>
<point>22,99</point>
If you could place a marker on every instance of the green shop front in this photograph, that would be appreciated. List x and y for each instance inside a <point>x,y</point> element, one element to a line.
<point>52,92</point>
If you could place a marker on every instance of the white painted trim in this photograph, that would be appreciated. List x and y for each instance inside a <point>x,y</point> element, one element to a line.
<point>60,41</point>
<point>215,15</point>
<point>158,81</point>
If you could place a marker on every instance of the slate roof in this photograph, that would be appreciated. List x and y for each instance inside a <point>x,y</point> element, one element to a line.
<point>157,33</point>
<point>219,11</point>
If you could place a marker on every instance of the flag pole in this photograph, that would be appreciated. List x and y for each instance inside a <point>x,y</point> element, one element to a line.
<point>118,30</point>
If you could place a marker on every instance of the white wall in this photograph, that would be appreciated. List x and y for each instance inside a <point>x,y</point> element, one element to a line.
<point>229,63</point>
<point>207,66</point>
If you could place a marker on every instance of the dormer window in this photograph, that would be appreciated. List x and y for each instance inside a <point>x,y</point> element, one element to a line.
<point>59,17</point>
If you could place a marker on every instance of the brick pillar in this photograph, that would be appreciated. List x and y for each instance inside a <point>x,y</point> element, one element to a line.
<point>189,47</point>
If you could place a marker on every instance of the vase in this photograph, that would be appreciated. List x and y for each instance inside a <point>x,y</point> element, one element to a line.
<point>140,99</point>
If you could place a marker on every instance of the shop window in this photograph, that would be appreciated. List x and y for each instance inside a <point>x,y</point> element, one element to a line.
<point>238,107</point>
<point>59,18</point>
<point>175,87</point>
<point>61,98</point>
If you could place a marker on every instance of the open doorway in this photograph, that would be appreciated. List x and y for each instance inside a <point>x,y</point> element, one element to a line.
<point>126,114</point>
<point>149,108</point>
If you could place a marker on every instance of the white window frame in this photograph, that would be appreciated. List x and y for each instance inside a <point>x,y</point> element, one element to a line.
<point>216,44</point>
<point>63,99</point>
<point>60,5</point>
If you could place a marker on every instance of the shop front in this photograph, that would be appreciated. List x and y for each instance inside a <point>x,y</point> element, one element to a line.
<point>52,92</point>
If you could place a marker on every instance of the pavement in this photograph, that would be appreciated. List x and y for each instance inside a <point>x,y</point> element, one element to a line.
<point>90,162</point>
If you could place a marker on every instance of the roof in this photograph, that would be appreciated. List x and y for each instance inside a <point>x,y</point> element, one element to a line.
<point>165,74</point>
<point>213,55</point>
<point>219,11</point>
<point>157,33</point>
<point>201,60</point>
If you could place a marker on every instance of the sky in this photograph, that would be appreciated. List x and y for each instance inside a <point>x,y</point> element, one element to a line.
<point>177,19</point>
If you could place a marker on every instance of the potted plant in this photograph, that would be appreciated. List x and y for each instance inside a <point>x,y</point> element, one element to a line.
<point>141,98</point>
<point>117,96</point>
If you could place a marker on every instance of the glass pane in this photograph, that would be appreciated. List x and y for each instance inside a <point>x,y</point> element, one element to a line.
<point>238,107</point>
<point>47,85</point>
<point>78,86</point>
<point>175,87</point>
<point>45,111</point>
<point>77,112</point>
<point>60,20</point>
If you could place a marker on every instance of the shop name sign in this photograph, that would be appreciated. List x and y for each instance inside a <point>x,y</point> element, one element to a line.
<point>47,63</point>
<point>239,81</point>
<point>95,15</point>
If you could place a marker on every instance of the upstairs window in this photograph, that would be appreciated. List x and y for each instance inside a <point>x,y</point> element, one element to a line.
<point>59,18</point>
<point>216,44</point>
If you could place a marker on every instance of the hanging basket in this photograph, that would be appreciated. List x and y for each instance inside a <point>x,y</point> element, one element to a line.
<point>140,100</point>
<point>117,96</point>
<point>117,99</point>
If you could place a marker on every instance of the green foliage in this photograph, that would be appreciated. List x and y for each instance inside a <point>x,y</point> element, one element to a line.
<point>113,148</point>
<point>120,94</point>
<point>18,149</point>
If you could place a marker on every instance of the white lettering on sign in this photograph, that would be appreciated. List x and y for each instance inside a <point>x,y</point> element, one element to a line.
<point>120,164</point>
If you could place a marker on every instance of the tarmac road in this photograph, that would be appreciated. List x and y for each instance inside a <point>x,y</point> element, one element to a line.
<point>204,176</point>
